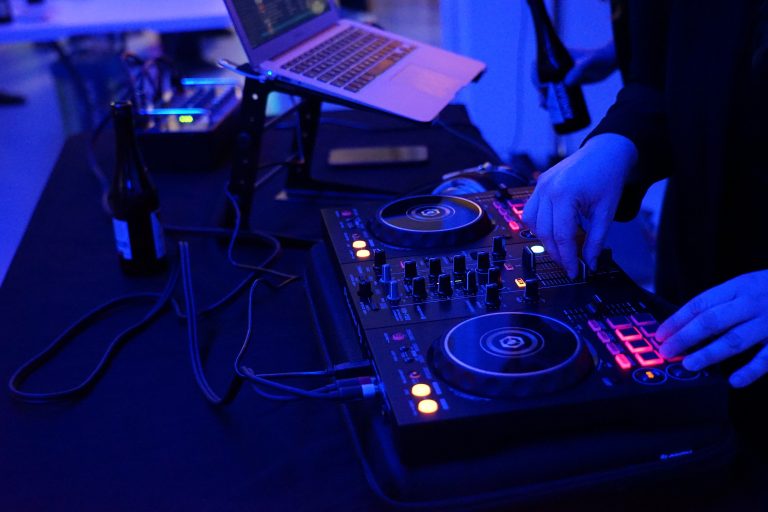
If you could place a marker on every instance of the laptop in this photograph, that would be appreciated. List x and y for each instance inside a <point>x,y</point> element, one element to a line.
<point>307,43</point>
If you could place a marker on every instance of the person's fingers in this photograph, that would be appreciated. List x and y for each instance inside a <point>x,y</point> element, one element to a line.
<point>733,341</point>
<point>709,323</point>
<point>531,210</point>
<point>697,306</point>
<point>564,232</point>
<point>751,371</point>
<point>544,228</point>
<point>600,222</point>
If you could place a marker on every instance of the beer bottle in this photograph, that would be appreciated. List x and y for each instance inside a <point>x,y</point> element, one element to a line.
<point>565,104</point>
<point>134,202</point>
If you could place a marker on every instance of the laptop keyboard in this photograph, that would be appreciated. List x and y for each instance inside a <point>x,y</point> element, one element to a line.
<point>351,59</point>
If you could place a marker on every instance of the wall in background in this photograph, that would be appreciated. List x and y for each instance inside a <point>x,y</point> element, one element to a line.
<point>505,103</point>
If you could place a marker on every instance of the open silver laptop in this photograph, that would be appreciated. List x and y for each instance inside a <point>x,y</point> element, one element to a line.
<point>307,43</point>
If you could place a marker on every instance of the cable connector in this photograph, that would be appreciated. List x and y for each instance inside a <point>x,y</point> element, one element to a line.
<point>357,388</point>
<point>362,368</point>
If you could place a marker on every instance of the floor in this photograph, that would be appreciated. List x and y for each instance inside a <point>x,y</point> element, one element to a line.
<point>31,135</point>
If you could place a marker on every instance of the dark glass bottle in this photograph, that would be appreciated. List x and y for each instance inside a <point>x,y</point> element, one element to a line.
<point>565,104</point>
<point>134,202</point>
<point>6,16</point>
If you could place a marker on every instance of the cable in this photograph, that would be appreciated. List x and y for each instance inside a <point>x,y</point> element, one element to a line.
<point>94,165</point>
<point>344,389</point>
<point>231,246</point>
<point>194,347</point>
<point>466,138</point>
<point>283,238</point>
<point>36,362</point>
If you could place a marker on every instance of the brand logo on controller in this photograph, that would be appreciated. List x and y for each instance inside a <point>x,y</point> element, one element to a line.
<point>511,342</point>
<point>430,212</point>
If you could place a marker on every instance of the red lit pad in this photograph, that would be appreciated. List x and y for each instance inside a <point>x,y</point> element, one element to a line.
<point>618,322</point>
<point>514,226</point>
<point>517,208</point>
<point>629,334</point>
<point>657,345</point>
<point>638,346</point>
<point>623,362</point>
<point>643,319</point>
<point>649,358</point>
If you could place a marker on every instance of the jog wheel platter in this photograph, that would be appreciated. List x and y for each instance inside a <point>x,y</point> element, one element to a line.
<point>511,355</point>
<point>431,221</point>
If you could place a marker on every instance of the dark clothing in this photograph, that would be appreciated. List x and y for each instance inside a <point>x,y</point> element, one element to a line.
<point>695,104</point>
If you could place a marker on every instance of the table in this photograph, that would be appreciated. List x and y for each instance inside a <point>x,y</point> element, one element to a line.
<point>144,438</point>
<point>66,18</point>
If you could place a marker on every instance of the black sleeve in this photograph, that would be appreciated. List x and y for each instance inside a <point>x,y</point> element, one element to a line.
<point>639,110</point>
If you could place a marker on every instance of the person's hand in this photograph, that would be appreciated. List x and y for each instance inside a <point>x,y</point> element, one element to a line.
<point>581,191</point>
<point>593,65</point>
<point>589,66</point>
<point>720,323</point>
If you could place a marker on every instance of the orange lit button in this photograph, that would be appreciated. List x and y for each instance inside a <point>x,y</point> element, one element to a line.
<point>623,361</point>
<point>520,282</point>
<point>651,358</point>
<point>421,390</point>
<point>427,406</point>
<point>359,244</point>
<point>363,253</point>
<point>649,376</point>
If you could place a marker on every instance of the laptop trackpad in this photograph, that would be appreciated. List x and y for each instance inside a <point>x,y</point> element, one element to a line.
<point>428,81</point>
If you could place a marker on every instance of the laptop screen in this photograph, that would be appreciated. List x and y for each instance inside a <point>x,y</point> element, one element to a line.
<point>263,20</point>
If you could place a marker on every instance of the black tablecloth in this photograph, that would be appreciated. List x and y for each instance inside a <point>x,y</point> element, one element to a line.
<point>144,438</point>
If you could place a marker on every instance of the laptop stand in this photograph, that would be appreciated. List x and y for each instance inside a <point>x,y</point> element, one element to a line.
<point>254,123</point>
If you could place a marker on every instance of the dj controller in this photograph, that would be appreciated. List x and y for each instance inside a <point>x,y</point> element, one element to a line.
<point>478,338</point>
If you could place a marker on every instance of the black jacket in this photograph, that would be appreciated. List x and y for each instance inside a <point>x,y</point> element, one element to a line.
<point>695,103</point>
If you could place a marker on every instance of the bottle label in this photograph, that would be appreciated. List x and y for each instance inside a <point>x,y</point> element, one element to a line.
<point>157,233</point>
<point>122,238</point>
<point>558,104</point>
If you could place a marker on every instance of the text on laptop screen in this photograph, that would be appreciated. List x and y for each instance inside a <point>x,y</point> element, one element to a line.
<point>266,19</point>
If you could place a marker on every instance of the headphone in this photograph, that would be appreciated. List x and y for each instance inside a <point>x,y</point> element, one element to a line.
<point>482,178</point>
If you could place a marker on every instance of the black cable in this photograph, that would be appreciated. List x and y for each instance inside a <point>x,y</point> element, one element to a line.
<point>283,238</point>
<point>36,362</point>
<point>241,373</point>
<point>79,82</point>
<point>466,138</point>
<point>194,347</point>
<point>231,246</point>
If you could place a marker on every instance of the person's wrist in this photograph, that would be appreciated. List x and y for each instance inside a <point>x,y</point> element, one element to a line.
<point>616,150</point>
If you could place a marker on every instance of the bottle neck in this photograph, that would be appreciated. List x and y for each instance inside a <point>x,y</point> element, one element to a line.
<point>131,177</point>
<point>551,52</point>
